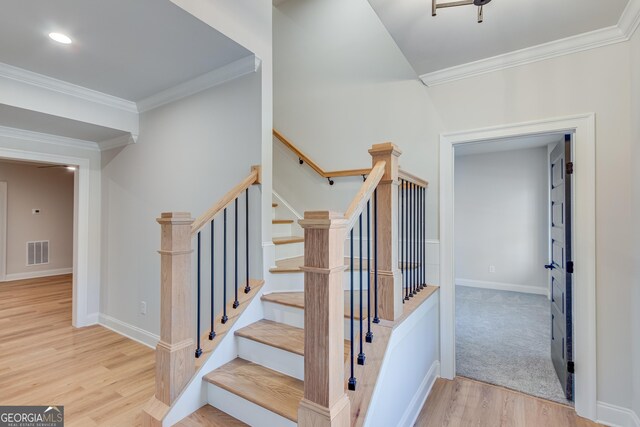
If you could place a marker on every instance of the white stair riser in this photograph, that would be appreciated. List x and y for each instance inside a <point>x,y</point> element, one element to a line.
<point>243,410</point>
<point>271,357</point>
<point>281,230</point>
<point>289,250</point>
<point>294,282</point>
<point>293,316</point>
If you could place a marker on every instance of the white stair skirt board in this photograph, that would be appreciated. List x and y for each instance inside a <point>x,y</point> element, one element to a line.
<point>289,250</point>
<point>242,409</point>
<point>538,290</point>
<point>616,416</point>
<point>288,363</point>
<point>281,230</point>
<point>294,316</point>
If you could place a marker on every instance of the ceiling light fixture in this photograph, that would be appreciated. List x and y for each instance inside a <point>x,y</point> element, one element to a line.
<point>480,3</point>
<point>60,38</point>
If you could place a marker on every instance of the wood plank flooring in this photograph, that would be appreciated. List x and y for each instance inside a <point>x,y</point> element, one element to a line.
<point>101,378</point>
<point>464,402</point>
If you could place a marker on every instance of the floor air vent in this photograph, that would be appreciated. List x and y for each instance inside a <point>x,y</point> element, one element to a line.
<point>38,252</point>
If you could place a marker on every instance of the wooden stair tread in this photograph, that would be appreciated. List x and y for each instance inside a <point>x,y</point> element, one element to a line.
<point>285,240</point>
<point>296,300</point>
<point>208,416</point>
<point>292,265</point>
<point>279,335</point>
<point>282,221</point>
<point>265,387</point>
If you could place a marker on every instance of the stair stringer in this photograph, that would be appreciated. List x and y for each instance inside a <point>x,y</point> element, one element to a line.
<point>195,394</point>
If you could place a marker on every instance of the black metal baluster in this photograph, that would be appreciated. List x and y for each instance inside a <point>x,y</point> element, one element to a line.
<point>224,270</point>
<point>212,332</point>
<point>424,237</point>
<point>352,378</point>
<point>369,336</point>
<point>411,248</point>
<point>247,287</point>
<point>361,356</point>
<point>376,319</point>
<point>405,243</point>
<point>417,242</point>
<point>198,348</point>
<point>235,248</point>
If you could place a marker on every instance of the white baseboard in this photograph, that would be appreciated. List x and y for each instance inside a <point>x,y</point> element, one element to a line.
<point>617,416</point>
<point>538,290</point>
<point>36,274</point>
<point>417,402</point>
<point>92,319</point>
<point>133,332</point>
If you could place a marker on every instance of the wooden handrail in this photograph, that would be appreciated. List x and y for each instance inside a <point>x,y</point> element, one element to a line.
<point>313,165</point>
<point>364,194</point>
<point>406,176</point>
<point>226,200</point>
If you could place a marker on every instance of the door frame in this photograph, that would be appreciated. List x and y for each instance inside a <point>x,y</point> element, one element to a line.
<point>584,243</point>
<point>80,314</point>
<point>3,231</point>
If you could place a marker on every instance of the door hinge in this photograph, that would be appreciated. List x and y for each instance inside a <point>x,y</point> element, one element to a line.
<point>569,168</point>
<point>570,267</point>
<point>571,368</point>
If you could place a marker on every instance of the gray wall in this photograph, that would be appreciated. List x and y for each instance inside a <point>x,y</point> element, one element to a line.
<point>189,154</point>
<point>50,190</point>
<point>501,218</point>
<point>635,159</point>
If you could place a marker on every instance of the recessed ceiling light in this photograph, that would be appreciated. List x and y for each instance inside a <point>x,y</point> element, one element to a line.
<point>60,38</point>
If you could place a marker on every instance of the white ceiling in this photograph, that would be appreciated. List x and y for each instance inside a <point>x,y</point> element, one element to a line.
<point>454,37</point>
<point>44,123</point>
<point>130,49</point>
<point>508,144</point>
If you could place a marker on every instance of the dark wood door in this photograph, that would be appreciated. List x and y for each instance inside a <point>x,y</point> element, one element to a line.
<point>561,265</point>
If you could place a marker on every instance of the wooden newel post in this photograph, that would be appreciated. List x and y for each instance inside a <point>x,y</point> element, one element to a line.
<point>389,274</point>
<point>325,402</point>
<point>175,363</point>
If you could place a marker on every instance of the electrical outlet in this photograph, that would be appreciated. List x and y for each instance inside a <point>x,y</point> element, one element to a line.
<point>143,307</point>
<point>492,269</point>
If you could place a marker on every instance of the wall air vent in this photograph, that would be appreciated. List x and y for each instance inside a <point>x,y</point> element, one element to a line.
<point>38,252</point>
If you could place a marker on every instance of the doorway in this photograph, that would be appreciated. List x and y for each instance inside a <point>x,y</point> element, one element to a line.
<point>583,129</point>
<point>504,314</point>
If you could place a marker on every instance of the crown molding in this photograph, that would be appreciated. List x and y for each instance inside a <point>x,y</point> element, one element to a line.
<point>239,68</point>
<point>119,141</point>
<point>45,82</point>
<point>621,32</point>
<point>27,135</point>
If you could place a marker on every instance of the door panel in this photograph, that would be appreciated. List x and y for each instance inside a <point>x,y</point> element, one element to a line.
<point>561,279</point>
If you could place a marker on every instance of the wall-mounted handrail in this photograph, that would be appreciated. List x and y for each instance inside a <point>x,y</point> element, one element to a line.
<point>313,165</point>
<point>226,200</point>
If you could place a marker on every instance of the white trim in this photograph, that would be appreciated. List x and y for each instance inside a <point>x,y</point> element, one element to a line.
<point>512,287</point>
<point>617,416</point>
<point>130,331</point>
<point>80,225</point>
<point>3,231</point>
<point>46,138</point>
<point>584,244</point>
<point>411,414</point>
<point>66,88</point>
<point>621,32</point>
<point>239,68</point>
<point>286,204</point>
<point>119,141</point>
<point>37,274</point>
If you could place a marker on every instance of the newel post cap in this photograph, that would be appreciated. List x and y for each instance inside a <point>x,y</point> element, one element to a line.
<point>385,148</point>
<point>175,218</point>
<point>323,219</point>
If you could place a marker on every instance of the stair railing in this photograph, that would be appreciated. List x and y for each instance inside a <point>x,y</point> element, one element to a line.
<point>181,341</point>
<point>303,158</point>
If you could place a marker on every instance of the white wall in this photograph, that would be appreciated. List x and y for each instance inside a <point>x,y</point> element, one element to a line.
<point>592,81</point>
<point>501,219</point>
<point>635,159</point>
<point>341,85</point>
<point>189,154</point>
<point>51,191</point>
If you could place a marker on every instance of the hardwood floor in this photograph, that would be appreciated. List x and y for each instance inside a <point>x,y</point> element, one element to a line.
<point>101,378</point>
<point>464,402</point>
